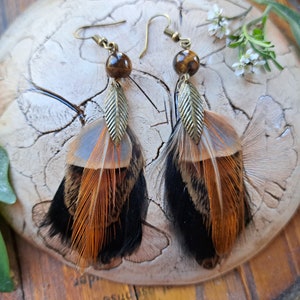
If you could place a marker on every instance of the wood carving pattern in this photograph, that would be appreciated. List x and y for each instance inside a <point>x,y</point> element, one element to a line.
<point>36,130</point>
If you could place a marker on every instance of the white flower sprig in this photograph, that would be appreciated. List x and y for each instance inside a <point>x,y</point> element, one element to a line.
<point>254,50</point>
<point>250,62</point>
<point>218,23</point>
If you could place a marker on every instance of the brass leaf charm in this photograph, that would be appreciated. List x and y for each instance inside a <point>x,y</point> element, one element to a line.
<point>116,112</point>
<point>190,107</point>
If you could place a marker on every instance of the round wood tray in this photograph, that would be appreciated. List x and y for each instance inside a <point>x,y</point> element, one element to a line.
<point>35,130</point>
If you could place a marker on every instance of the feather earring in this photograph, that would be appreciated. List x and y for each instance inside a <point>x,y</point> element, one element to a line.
<point>101,203</point>
<point>204,181</point>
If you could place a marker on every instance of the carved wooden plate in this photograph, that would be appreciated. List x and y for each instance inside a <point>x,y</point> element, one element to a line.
<point>36,130</point>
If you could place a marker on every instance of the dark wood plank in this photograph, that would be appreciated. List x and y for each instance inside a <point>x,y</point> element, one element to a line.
<point>292,236</point>
<point>44,277</point>
<point>273,270</point>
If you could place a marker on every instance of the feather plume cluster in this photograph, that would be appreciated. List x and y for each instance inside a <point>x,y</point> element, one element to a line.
<point>102,201</point>
<point>204,179</point>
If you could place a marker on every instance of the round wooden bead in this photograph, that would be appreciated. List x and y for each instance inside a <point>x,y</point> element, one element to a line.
<point>118,65</point>
<point>186,62</point>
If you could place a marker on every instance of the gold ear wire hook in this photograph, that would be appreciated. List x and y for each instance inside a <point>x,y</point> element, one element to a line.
<point>101,41</point>
<point>185,43</point>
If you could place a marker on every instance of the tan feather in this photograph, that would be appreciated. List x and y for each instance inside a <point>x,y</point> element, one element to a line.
<point>96,202</point>
<point>83,145</point>
<point>218,139</point>
<point>227,220</point>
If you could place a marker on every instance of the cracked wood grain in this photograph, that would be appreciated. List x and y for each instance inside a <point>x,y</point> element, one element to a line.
<point>263,110</point>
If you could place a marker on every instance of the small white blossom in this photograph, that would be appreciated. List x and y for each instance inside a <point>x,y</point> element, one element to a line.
<point>214,13</point>
<point>223,30</point>
<point>218,24</point>
<point>250,62</point>
<point>257,65</point>
<point>249,56</point>
<point>239,68</point>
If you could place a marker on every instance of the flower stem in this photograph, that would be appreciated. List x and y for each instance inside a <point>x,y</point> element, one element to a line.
<point>247,26</point>
<point>242,15</point>
<point>253,40</point>
<point>257,20</point>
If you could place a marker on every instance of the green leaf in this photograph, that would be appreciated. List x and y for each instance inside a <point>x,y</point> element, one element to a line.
<point>7,194</point>
<point>264,21</point>
<point>261,1</point>
<point>296,31</point>
<point>252,40</point>
<point>235,40</point>
<point>277,64</point>
<point>257,31</point>
<point>263,44</point>
<point>267,67</point>
<point>285,12</point>
<point>6,283</point>
<point>288,14</point>
<point>258,34</point>
<point>291,16</point>
<point>234,44</point>
<point>238,38</point>
<point>272,54</point>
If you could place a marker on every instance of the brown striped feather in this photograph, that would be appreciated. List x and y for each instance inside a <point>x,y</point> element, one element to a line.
<point>97,203</point>
<point>216,160</point>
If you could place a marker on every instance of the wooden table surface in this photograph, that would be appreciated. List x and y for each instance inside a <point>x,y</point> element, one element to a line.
<point>273,274</point>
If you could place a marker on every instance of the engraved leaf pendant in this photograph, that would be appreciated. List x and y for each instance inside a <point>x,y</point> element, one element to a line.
<point>190,107</point>
<point>116,112</point>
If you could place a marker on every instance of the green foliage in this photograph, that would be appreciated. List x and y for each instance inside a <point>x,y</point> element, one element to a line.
<point>252,35</point>
<point>6,283</point>
<point>286,13</point>
<point>255,49</point>
<point>6,192</point>
<point>7,196</point>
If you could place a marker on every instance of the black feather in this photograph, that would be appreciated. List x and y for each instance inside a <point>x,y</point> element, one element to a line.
<point>58,217</point>
<point>127,232</point>
<point>190,224</point>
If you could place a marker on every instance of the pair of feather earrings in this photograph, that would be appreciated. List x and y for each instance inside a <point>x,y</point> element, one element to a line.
<point>101,203</point>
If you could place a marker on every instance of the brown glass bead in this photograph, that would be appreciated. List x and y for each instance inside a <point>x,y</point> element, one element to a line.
<point>118,65</point>
<point>186,62</point>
